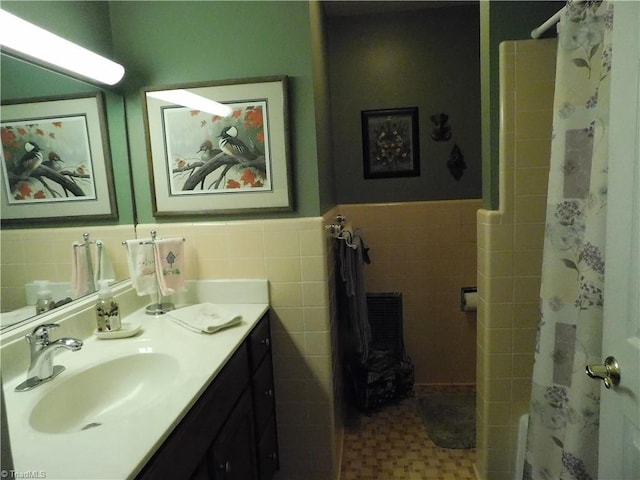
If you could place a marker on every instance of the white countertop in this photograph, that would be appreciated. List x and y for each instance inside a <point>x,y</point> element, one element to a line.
<point>120,448</point>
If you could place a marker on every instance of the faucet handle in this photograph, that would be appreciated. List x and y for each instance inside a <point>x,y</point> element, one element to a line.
<point>40,334</point>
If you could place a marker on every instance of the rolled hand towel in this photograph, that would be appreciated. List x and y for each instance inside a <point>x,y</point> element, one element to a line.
<point>103,269</point>
<point>204,317</point>
<point>169,255</point>
<point>80,278</point>
<point>142,266</point>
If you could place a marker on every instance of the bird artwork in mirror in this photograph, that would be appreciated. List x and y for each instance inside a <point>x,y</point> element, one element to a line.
<point>222,149</point>
<point>55,159</point>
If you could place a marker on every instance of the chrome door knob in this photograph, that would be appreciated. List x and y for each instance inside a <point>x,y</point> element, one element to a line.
<point>609,373</point>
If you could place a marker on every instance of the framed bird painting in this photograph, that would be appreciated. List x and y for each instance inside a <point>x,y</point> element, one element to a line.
<point>55,161</point>
<point>219,147</point>
<point>390,143</point>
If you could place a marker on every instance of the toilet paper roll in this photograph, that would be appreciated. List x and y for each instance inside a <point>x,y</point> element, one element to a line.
<point>469,301</point>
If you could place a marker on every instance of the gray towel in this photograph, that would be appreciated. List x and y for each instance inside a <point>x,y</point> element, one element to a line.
<point>352,274</point>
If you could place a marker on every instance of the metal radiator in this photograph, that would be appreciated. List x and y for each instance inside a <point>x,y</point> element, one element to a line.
<point>385,320</point>
<point>388,374</point>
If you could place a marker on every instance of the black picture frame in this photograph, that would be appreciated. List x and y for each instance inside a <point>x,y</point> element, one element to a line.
<point>390,143</point>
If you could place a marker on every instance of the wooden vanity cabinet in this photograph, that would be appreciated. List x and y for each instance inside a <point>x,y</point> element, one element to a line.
<point>229,434</point>
<point>264,403</point>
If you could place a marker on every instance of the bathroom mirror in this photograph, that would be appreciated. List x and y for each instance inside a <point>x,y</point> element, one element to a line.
<point>42,250</point>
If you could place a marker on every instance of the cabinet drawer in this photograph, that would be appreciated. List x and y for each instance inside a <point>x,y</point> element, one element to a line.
<point>268,458</point>
<point>259,342</point>
<point>263,394</point>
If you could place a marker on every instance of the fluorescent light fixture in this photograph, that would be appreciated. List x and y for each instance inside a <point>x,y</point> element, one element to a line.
<point>192,100</point>
<point>28,40</point>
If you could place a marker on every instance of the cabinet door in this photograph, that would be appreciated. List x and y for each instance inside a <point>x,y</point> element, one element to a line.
<point>202,473</point>
<point>263,395</point>
<point>232,455</point>
<point>259,342</point>
<point>268,461</point>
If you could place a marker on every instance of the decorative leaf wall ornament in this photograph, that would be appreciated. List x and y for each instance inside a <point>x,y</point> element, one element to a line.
<point>456,164</point>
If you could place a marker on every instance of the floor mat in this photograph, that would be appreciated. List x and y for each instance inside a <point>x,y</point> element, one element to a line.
<point>450,419</point>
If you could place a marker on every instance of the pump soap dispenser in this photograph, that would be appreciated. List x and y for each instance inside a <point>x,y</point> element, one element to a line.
<point>43,295</point>
<point>107,309</point>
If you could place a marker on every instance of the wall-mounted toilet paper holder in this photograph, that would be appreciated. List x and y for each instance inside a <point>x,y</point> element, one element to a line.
<point>468,299</point>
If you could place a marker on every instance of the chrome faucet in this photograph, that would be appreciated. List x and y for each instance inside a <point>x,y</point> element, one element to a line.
<point>42,350</point>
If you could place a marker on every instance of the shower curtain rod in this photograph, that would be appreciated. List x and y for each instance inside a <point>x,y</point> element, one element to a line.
<point>536,33</point>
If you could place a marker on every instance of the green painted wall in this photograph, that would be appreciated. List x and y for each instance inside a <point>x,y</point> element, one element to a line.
<point>21,79</point>
<point>326,175</point>
<point>428,58</point>
<point>85,23</point>
<point>173,42</point>
<point>502,20</point>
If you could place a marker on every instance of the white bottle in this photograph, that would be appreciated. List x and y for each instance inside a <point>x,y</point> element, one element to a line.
<point>107,309</point>
<point>43,297</point>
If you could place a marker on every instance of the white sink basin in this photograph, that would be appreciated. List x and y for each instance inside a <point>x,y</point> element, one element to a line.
<point>111,391</point>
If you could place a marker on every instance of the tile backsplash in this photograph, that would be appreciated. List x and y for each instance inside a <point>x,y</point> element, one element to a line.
<point>45,254</point>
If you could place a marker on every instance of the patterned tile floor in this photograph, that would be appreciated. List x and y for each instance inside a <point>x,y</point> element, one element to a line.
<point>393,443</point>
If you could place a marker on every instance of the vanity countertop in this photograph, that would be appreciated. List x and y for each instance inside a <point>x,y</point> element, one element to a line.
<point>120,447</point>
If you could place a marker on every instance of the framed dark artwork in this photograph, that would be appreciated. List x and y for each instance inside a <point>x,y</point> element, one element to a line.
<point>390,143</point>
<point>55,160</point>
<point>222,149</point>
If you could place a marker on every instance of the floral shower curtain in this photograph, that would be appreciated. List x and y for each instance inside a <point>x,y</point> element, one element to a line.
<point>562,441</point>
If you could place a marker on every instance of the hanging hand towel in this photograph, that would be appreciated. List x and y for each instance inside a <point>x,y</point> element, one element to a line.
<point>204,317</point>
<point>142,267</point>
<point>169,255</point>
<point>103,266</point>
<point>79,270</point>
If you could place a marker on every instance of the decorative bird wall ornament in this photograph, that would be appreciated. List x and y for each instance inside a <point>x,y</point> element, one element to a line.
<point>31,160</point>
<point>441,131</point>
